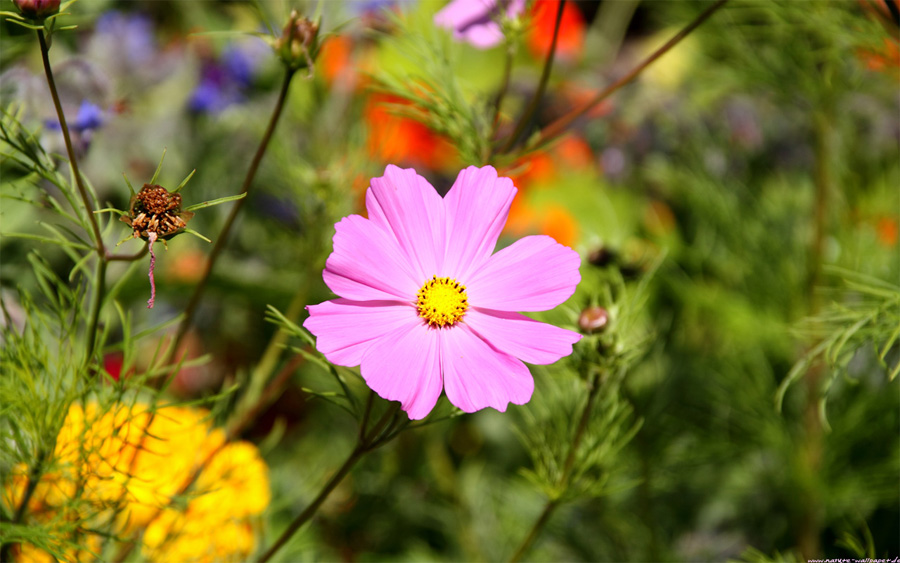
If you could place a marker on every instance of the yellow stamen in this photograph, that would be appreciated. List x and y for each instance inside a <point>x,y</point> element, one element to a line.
<point>442,301</point>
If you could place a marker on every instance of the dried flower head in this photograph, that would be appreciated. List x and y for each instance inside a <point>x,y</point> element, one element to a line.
<point>156,210</point>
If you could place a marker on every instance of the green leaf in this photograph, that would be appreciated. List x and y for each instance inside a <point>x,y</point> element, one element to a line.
<point>215,202</point>
<point>158,167</point>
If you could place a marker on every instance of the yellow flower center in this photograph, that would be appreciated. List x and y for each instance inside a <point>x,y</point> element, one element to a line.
<point>442,301</point>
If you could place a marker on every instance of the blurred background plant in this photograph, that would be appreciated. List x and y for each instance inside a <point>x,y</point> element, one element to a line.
<point>735,203</point>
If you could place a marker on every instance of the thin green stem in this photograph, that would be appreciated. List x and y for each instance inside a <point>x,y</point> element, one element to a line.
<point>568,465</point>
<point>558,127</point>
<point>82,191</point>
<point>369,441</point>
<point>267,397</point>
<point>504,86</point>
<point>99,291</point>
<point>365,419</point>
<point>525,120</point>
<point>304,516</point>
<point>365,444</point>
<point>191,308</point>
<point>129,257</point>
<point>593,388</point>
<point>100,281</point>
<point>535,530</point>
<point>276,346</point>
<point>813,446</point>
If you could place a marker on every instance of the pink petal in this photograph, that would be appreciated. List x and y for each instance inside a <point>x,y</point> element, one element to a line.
<point>477,206</point>
<point>368,264</point>
<point>517,335</point>
<point>477,375</point>
<point>408,207</point>
<point>404,365</point>
<point>471,21</point>
<point>533,274</point>
<point>345,329</point>
<point>481,36</point>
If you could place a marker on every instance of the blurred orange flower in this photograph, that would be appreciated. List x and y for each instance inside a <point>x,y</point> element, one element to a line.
<point>888,231</point>
<point>334,60</point>
<point>403,140</point>
<point>886,59</point>
<point>570,44</point>
<point>539,170</point>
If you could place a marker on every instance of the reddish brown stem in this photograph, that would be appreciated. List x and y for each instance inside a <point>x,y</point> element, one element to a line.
<point>558,127</point>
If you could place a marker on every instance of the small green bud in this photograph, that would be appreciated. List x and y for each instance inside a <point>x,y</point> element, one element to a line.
<point>593,319</point>
<point>298,45</point>
<point>602,257</point>
<point>37,9</point>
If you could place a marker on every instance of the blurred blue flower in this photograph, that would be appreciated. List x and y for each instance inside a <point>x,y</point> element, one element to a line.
<point>226,80</point>
<point>88,118</point>
<point>372,6</point>
<point>217,90</point>
<point>131,36</point>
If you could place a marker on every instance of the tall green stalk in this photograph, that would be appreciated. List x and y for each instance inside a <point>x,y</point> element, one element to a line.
<point>191,308</point>
<point>100,279</point>
<point>542,85</point>
<point>568,465</point>
<point>366,442</point>
<point>558,127</point>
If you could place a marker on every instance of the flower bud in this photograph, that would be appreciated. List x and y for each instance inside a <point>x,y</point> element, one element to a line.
<point>37,9</point>
<point>603,256</point>
<point>298,45</point>
<point>593,319</point>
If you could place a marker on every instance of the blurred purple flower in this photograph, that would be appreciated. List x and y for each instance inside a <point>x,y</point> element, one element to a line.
<point>88,118</point>
<point>371,6</point>
<point>225,81</point>
<point>130,37</point>
<point>215,92</point>
<point>475,21</point>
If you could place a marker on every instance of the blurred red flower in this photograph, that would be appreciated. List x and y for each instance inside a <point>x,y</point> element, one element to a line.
<point>403,140</point>
<point>570,44</point>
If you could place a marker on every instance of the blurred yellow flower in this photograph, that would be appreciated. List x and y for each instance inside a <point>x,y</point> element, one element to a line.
<point>131,462</point>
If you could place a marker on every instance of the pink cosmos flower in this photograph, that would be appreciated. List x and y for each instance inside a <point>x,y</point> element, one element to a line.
<point>475,21</point>
<point>426,304</point>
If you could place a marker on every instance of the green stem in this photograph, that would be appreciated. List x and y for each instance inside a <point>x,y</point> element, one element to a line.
<point>365,418</point>
<point>268,396</point>
<point>813,447</point>
<point>568,465</point>
<point>99,291</point>
<point>128,257</point>
<point>191,308</point>
<point>535,530</point>
<point>365,444</point>
<point>542,85</point>
<point>276,345</point>
<point>100,281</point>
<point>82,191</point>
<point>504,86</point>
<point>558,127</point>
<point>304,516</point>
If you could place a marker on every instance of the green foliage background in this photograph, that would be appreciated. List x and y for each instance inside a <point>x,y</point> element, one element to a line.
<point>743,189</point>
